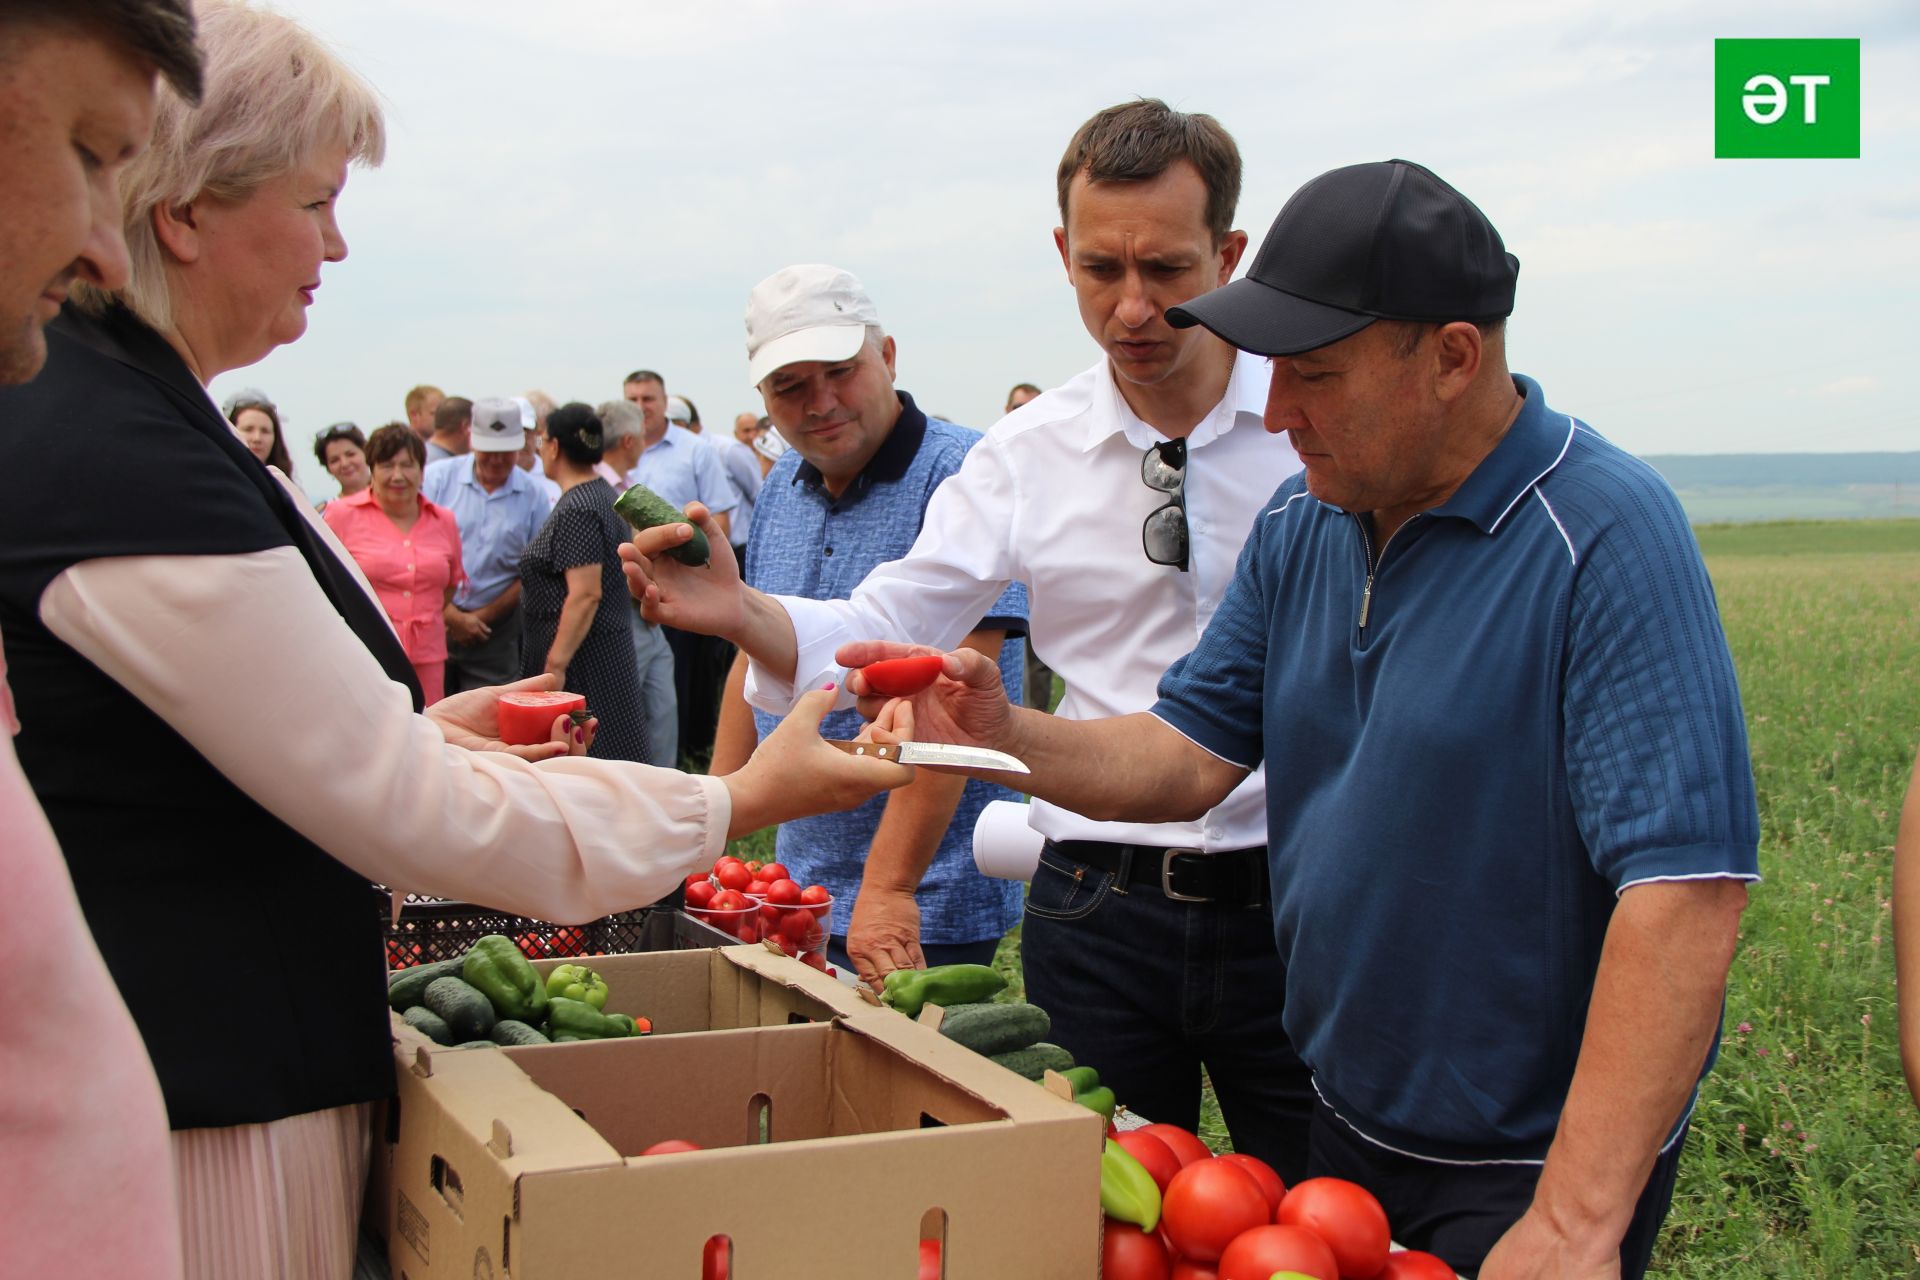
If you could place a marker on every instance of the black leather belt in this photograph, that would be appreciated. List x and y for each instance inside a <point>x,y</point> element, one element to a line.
<point>1234,878</point>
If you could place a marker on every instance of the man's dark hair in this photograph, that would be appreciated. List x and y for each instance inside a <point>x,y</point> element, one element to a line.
<point>453,413</point>
<point>159,32</point>
<point>645,375</point>
<point>1139,140</point>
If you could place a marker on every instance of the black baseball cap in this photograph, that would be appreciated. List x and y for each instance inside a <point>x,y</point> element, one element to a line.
<point>1382,241</point>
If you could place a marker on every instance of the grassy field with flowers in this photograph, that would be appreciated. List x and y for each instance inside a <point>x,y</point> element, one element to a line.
<point>1803,1162</point>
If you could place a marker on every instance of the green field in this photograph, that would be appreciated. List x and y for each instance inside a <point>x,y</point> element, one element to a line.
<point>1803,1162</point>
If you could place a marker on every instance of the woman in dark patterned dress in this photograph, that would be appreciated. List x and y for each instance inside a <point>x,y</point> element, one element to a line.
<point>574,611</point>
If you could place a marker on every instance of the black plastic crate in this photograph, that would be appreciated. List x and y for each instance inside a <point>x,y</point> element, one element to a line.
<point>434,929</point>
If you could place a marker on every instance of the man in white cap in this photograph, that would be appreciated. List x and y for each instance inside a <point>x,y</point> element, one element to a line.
<point>499,509</point>
<point>850,496</point>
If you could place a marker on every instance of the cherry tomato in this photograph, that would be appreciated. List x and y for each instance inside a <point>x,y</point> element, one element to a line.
<point>733,876</point>
<point>1412,1264</point>
<point>700,893</point>
<point>802,927</point>
<point>668,1146</point>
<point>815,895</point>
<point>755,889</point>
<point>1151,1152</point>
<point>1207,1204</point>
<point>770,917</point>
<point>1264,1175</point>
<point>724,859</point>
<point>1346,1216</point>
<point>729,900</point>
<point>1128,1253</point>
<point>903,677</point>
<point>783,892</point>
<point>774,871</point>
<point>929,1260</point>
<point>1185,1147</point>
<point>643,1026</point>
<point>754,865</point>
<point>716,1260</point>
<point>1257,1253</point>
<point>817,960</point>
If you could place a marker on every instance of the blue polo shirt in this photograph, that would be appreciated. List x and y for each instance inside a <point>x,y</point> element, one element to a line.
<point>1539,711</point>
<point>494,527</point>
<point>681,469</point>
<point>807,543</point>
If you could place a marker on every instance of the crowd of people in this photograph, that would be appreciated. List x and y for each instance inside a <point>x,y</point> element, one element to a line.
<point>1399,783</point>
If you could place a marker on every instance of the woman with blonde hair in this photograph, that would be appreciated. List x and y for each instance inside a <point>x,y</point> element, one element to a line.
<point>220,723</point>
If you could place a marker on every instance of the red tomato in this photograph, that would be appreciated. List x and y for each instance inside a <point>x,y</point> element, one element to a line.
<point>668,1146</point>
<point>817,960</point>
<point>815,895</point>
<point>724,859</point>
<point>733,876</point>
<point>1151,1152</point>
<point>929,1260</point>
<point>1207,1204</point>
<point>527,718</point>
<point>1128,1253</point>
<point>903,677</point>
<point>1185,1147</point>
<point>754,865</point>
<point>1412,1264</point>
<point>774,871</point>
<point>1258,1253</point>
<point>802,927</point>
<point>747,932</point>
<point>756,888</point>
<point>1264,1175</point>
<point>783,892</point>
<point>643,1026</point>
<point>700,893</point>
<point>1346,1216</point>
<point>1188,1269</point>
<point>729,900</point>
<point>770,917</point>
<point>716,1260</point>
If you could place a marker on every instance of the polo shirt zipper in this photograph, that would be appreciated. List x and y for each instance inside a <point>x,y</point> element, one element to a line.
<point>1366,595</point>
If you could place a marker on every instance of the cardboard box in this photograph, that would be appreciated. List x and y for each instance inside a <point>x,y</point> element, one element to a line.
<point>831,1149</point>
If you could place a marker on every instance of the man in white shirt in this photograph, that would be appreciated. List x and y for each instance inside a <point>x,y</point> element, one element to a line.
<point>1121,499</point>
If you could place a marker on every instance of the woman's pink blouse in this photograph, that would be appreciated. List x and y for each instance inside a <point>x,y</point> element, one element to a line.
<point>410,571</point>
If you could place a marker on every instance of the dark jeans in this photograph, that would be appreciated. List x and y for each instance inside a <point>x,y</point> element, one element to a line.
<point>1459,1212</point>
<point>700,665</point>
<point>935,952</point>
<point>1150,991</point>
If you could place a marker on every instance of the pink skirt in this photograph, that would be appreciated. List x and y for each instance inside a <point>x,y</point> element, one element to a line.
<point>273,1200</point>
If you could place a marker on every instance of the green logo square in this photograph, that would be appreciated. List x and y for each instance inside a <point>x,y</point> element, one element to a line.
<point>1786,99</point>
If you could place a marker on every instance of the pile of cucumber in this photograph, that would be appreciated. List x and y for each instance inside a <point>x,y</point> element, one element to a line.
<point>1014,1035</point>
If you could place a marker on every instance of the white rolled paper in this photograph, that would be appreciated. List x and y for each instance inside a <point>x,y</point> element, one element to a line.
<point>1003,844</point>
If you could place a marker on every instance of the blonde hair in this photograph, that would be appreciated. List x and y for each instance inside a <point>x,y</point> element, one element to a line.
<point>275,95</point>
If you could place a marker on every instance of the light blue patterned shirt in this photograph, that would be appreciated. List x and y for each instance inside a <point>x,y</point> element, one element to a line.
<point>494,527</point>
<point>807,543</point>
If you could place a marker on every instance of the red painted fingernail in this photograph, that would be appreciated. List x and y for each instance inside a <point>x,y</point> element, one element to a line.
<point>580,736</point>
<point>827,687</point>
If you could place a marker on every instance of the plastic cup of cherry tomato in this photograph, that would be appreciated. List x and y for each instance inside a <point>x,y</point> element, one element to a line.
<point>731,911</point>
<point>801,929</point>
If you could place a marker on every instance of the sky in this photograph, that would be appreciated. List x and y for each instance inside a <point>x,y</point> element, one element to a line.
<point>577,188</point>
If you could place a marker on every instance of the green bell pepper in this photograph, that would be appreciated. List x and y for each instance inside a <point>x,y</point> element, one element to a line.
<point>495,968</point>
<point>1127,1191</point>
<point>626,1023</point>
<point>569,1019</point>
<point>910,990</point>
<point>577,982</point>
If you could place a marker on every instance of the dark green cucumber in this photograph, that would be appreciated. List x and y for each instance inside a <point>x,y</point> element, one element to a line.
<point>1035,1060</point>
<point>468,1012</point>
<point>642,508</point>
<point>511,1031</point>
<point>408,987</point>
<point>989,1028</point>
<point>429,1024</point>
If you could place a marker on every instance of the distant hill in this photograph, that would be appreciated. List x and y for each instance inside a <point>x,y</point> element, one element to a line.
<point>1743,487</point>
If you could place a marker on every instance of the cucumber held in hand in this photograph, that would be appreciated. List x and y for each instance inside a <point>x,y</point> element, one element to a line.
<point>642,508</point>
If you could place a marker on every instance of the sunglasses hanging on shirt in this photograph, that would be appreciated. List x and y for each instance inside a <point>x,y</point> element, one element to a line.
<point>1164,470</point>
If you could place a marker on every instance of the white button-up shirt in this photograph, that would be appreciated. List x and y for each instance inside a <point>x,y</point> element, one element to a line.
<point>1052,497</point>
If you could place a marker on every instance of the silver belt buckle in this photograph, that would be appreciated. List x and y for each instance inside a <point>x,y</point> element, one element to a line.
<point>1166,877</point>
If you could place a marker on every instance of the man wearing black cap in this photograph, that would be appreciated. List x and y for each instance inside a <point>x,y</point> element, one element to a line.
<point>1477,643</point>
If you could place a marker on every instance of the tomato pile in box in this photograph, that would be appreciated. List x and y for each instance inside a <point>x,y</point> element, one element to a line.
<point>756,900</point>
<point>1176,1211</point>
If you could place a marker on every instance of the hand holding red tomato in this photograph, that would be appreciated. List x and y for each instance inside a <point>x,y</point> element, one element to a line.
<point>967,705</point>
<point>471,721</point>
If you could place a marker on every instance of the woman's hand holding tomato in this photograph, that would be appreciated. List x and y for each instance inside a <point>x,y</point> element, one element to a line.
<point>471,720</point>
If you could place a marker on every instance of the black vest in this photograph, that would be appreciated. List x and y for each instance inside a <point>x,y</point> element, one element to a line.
<point>251,960</point>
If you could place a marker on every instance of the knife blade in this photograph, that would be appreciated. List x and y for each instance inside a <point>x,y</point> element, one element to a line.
<point>933,753</point>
